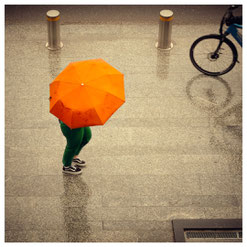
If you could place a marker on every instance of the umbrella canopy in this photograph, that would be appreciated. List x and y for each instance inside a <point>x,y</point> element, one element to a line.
<point>86,93</point>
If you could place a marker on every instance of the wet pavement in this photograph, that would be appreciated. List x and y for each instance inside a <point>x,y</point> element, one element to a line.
<point>172,151</point>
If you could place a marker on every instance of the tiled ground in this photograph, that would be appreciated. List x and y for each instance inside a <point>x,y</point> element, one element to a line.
<point>171,151</point>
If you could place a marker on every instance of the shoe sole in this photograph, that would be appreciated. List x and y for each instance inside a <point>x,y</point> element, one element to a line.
<point>79,165</point>
<point>72,173</point>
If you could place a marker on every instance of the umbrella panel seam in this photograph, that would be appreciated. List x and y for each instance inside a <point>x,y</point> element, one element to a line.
<point>86,85</point>
<point>103,76</point>
<point>94,107</point>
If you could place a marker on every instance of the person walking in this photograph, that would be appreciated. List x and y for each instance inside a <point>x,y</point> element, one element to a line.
<point>76,140</point>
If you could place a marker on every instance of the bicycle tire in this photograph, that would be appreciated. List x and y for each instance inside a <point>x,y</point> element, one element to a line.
<point>218,37</point>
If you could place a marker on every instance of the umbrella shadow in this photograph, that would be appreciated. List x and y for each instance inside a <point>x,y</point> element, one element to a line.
<point>74,204</point>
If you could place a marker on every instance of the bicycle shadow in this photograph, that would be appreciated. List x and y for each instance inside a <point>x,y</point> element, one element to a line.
<point>201,90</point>
<point>214,96</point>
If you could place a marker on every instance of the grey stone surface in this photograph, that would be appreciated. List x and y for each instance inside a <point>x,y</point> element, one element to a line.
<point>155,236</point>
<point>36,236</point>
<point>172,151</point>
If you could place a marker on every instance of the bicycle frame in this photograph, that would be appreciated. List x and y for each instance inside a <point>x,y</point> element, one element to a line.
<point>223,46</point>
<point>233,30</point>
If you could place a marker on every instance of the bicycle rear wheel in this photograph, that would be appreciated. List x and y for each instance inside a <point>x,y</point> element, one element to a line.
<point>207,61</point>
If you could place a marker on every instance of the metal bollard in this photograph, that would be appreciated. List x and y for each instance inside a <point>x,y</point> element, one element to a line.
<point>165,30</point>
<point>53,24</point>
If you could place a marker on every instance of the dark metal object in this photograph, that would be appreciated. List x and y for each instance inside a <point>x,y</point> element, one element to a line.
<point>53,25</point>
<point>208,229</point>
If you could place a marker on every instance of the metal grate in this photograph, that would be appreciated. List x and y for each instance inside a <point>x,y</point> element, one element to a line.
<point>207,230</point>
<point>213,234</point>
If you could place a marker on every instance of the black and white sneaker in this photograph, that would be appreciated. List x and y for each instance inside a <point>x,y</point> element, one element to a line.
<point>79,162</point>
<point>72,170</point>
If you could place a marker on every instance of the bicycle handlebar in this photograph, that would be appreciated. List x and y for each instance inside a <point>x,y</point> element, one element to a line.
<point>234,7</point>
<point>228,14</point>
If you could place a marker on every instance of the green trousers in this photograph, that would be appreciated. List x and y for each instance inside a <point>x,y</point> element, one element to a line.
<point>76,140</point>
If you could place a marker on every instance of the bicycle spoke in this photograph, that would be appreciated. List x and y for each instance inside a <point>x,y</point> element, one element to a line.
<point>205,58</point>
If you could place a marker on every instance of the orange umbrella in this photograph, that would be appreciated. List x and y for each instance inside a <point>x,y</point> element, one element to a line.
<point>86,93</point>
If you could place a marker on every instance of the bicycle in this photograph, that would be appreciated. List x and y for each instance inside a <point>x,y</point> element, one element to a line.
<point>215,54</point>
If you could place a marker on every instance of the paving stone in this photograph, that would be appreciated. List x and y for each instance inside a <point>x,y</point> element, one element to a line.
<point>34,218</point>
<point>169,213</point>
<point>36,236</point>
<point>223,213</point>
<point>137,225</point>
<point>117,199</point>
<point>155,236</point>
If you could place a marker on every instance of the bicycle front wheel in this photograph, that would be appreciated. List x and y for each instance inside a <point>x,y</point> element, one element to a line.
<point>204,57</point>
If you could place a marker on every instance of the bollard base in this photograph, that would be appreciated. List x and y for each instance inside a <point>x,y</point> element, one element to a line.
<point>52,48</point>
<point>165,49</point>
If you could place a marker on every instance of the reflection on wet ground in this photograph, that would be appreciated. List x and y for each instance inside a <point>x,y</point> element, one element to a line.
<point>74,205</point>
<point>214,95</point>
